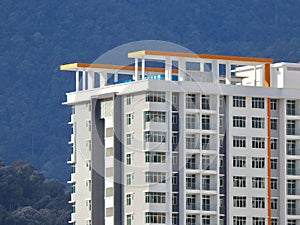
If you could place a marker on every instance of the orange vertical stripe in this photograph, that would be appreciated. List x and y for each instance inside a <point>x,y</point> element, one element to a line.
<point>267,75</point>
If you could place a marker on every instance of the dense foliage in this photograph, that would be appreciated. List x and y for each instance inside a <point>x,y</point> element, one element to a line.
<point>37,36</point>
<point>26,197</point>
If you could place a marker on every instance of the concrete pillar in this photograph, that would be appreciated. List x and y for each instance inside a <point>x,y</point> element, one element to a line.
<point>201,66</point>
<point>143,68</point>
<point>181,69</point>
<point>215,71</point>
<point>116,77</point>
<point>168,69</point>
<point>77,81</point>
<point>103,79</point>
<point>90,80</point>
<point>83,80</point>
<point>228,73</point>
<point>136,69</point>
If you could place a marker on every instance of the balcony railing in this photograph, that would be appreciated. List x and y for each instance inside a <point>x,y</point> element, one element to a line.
<point>191,206</point>
<point>191,165</point>
<point>191,186</point>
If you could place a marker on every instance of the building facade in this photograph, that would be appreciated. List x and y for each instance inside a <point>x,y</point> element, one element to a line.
<point>200,139</point>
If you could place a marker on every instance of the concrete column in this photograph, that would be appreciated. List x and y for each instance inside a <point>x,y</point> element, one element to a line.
<point>228,74</point>
<point>262,76</point>
<point>201,66</point>
<point>91,83</point>
<point>136,69</point>
<point>181,69</point>
<point>168,69</point>
<point>255,76</point>
<point>115,77</point>
<point>83,80</point>
<point>103,79</point>
<point>77,81</point>
<point>215,71</point>
<point>143,68</point>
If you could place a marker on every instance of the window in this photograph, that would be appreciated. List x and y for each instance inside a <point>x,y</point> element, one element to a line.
<point>206,202</point>
<point>88,124</point>
<point>73,207</point>
<point>155,136</point>
<point>155,197</point>
<point>174,138</point>
<point>291,207</point>
<point>190,220</point>
<point>274,221</point>
<point>190,162</point>
<point>73,168</point>
<point>291,107</point>
<point>174,199</point>
<point>191,202</point>
<point>89,165</point>
<point>258,221</point>
<point>239,101</point>
<point>73,109</point>
<point>88,204</point>
<point>258,182</point>
<point>239,141</point>
<point>205,220</point>
<point>153,96</point>
<point>258,202</point>
<point>274,203</point>
<point>174,159</point>
<point>155,116</point>
<point>155,157</point>
<point>239,121</point>
<point>129,178</point>
<point>291,167</point>
<point>205,142</point>
<point>258,142</point>
<point>190,101</point>
<point>206,182</point>
<point>274,164</point>
<point>88,144</point>
<point>273,143</point>
<point>174,118</point>
<point>258,103</point>
<point>221,121</point>
<point>129,219</point>
<point>128,139</point>
<point>73,188</point>
<point>128,158</point>
<point>273,124</point>
<point>206,162</point>
<point>221,101</point>
<point>190,120</point>
<point>291,187</point>
<point>273,183</point>
<point>205,102</point>
<point>205,122</point>
<point>239,220</point>
<point>273,104</point>
<point>174,219</point>
<point>239,161</point>
<point>190,140</point>
<point>291,222</point>
<point>291,127</point>
<point>128,99</point>
<point>155,217</point>
<point>174,180</point>
<point>191,181</point>
<point>174,98</point>
<point>258,162</point>
<point>239,201</point>
<point>239,181</point>
<point>155,177</point>
<point>291,147</point>
<point>129,118</point>
<point>88,184</point>
<point>88,222</point>
<point>258,122</point>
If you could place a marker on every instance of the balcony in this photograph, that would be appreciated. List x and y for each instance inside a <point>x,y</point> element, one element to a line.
<point>191,186</point>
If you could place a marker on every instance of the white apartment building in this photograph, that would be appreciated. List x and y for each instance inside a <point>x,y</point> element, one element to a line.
<point>200,139</point>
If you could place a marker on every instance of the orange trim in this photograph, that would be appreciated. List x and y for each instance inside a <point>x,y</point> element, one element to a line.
<point>193,55</point>
<point>74,66</point>
<point>269,161</point>
<point>267,75</point>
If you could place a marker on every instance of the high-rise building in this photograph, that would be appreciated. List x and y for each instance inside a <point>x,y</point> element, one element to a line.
<point>199,139</point>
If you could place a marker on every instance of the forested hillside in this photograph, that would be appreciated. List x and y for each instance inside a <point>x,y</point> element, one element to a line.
<point>26,197</point>
<point>37,36</point>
